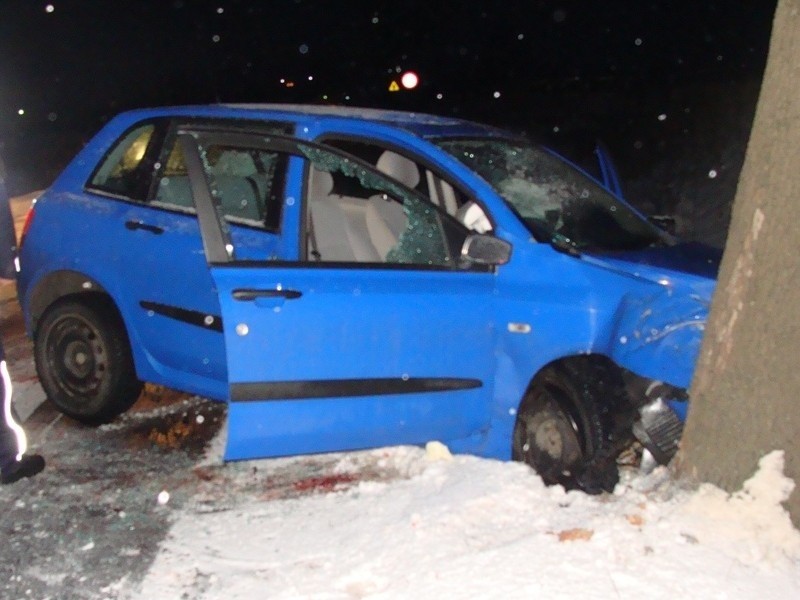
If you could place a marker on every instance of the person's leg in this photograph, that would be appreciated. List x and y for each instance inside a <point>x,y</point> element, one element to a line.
<point>14,462</point>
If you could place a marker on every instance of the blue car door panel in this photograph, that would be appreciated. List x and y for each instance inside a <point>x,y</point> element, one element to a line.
<point>358,351</point>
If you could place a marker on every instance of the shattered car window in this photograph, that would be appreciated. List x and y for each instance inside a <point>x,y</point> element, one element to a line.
<point>556,201</point>
<point>365,216</point>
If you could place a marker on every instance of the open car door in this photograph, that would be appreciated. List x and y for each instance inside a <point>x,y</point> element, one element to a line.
<point>351,353</point>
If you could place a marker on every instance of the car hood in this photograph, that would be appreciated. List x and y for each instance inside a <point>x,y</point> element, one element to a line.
<point>666,262</point>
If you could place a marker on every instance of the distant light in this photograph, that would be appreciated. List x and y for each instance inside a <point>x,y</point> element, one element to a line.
<point>21,111</point>
<point>49,8</point>
<point>439,96</point>
<point>496,94</point>
<point>311,78</point>
<point>409,80</point>
<point>290,84</point>
<point>712,173</point>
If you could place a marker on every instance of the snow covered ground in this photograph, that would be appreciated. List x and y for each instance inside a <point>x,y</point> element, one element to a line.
<point>471,528</point>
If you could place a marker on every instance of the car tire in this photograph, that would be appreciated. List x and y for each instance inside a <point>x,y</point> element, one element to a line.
<point>571,426</point>
<point>84,361</point>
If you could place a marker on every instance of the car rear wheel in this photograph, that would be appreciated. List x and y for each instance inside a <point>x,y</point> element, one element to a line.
<point>568,427</point>
<point>84,361</point>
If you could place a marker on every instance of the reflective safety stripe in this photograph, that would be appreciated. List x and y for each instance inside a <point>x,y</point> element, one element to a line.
<point>22,441</point>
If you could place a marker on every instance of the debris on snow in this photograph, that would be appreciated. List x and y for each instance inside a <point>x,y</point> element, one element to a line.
<point>477,529</point>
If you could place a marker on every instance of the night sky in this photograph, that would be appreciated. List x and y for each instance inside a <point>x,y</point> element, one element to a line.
<point>606,69</point>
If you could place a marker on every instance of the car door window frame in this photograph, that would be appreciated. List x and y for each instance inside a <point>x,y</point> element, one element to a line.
<point>220,250</point>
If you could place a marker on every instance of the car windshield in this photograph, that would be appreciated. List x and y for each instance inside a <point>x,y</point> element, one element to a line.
<point>556,201</point>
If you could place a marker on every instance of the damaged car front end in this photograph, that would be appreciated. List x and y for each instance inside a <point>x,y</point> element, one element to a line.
<point>624,305</point>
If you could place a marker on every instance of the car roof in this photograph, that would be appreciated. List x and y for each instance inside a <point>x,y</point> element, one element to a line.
<point>419,124</point>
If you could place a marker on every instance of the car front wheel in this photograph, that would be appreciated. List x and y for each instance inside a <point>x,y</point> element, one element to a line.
<point>84,361</point>
<point>567,427</point>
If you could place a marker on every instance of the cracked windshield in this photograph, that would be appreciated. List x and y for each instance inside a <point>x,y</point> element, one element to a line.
<point>557,203</point>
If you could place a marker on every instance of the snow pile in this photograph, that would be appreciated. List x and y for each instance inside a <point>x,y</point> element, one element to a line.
<point>472,528</point>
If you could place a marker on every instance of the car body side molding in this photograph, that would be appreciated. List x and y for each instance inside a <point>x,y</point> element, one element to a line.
<point>193,317</point>
<point>333,388</point>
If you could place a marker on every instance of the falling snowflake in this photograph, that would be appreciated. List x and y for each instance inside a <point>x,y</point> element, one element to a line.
<point>712,173</point>
<point>496,94</point>
<point>662,117</point>
<point>303,48</point>
<point>638,41</point>
<point>49,8</point>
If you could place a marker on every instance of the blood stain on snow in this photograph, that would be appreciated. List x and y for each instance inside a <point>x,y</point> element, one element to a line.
<point>326,483</point>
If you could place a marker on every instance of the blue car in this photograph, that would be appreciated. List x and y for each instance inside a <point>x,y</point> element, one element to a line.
<point>350,278</point>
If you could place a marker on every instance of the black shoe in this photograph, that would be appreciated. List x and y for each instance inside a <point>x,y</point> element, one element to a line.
<point>28,466</point>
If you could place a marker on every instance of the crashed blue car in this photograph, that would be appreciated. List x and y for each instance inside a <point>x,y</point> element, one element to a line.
<point>350,278</point>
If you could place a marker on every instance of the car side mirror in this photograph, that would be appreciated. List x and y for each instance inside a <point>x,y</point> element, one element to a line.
<point>481,249</point>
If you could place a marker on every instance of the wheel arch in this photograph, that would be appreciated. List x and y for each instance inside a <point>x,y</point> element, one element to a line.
<point>62,285</point>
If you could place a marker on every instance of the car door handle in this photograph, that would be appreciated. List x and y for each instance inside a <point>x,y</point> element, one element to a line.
<point>146,226</point>
<point>248,294</point>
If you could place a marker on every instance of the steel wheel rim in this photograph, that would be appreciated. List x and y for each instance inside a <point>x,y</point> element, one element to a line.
<point>551,439</point>
<point>77,356</point>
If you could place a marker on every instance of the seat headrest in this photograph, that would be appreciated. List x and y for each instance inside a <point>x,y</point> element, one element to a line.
<point>399,167</point>
<point>320,183</point>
